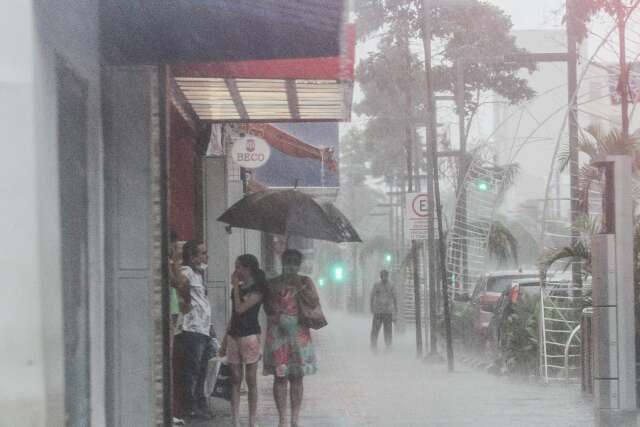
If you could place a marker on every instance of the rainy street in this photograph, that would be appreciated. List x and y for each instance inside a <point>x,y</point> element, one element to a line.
<point>211,208</point>
<point>357,388</point>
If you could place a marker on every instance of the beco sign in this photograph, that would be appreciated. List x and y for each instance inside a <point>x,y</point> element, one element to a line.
<point>250,152</point>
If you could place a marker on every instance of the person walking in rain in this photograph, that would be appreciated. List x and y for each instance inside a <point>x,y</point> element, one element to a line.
<point>289,354</point>
<point>384,308</point>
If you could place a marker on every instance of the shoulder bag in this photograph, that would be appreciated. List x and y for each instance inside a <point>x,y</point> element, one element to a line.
<point>310,313</point>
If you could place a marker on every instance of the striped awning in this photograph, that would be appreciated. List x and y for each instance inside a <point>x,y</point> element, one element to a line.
<point>270,100</point>
<point>304,89</point>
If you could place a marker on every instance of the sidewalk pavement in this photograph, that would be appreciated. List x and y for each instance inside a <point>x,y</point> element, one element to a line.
<point>355,387</point>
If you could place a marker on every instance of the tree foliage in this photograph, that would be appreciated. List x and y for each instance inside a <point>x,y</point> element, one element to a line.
<point>479,34</point>
<point>596,143</point>
<point>391,81</point>
<point>583,11</point>
<point>394,75</point>
<point>353,151</point>
<point>502,244</point>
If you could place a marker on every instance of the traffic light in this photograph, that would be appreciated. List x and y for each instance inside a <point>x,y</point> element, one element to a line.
<point>482,185</point>
<point>338,272</point>
<point>388,257</point>
<point>321,282</point>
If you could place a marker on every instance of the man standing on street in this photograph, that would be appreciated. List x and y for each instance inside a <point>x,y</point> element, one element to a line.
<point>384,308</point>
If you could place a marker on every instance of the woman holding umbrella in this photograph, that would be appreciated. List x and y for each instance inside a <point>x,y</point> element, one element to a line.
<point>288,353</point>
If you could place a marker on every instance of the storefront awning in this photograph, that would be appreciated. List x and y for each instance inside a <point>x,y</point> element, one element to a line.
<point>302,89</point>
<point>192,31</point>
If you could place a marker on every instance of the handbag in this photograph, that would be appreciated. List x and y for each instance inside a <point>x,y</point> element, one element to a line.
<point>222,387</point>
<point>310,313</point>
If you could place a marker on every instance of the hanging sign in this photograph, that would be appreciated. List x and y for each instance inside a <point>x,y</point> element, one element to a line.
<point>416,216</point>
<point>250,152</point>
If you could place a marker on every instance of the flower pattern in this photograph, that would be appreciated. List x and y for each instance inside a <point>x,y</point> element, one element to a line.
<point>288,348</point>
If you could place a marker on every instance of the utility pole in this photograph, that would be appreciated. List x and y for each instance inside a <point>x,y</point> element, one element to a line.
<point>432,159</point>
<point>572,84</point>
<point>623,84</point>
<point>431,137</point>
<point>409,146</point>
<point>461,216</point>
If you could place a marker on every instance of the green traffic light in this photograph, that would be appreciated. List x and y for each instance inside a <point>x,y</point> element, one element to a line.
<point>387,257</point>
<point>338,273</point>
<point>482,185</point>
<point>321,282</point>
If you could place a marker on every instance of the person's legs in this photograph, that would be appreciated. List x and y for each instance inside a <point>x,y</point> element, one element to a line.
<point>192,357</point>
<point>387,321</point>
<point>236,380</point>
<point>297,391</point>
<point>252,384</point>
<point>207,353</point>
<point>179,387</point>
<point>375,330</point>
<point>280,396</point>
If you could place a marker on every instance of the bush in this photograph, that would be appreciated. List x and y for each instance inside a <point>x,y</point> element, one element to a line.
<point>518,346</point>
<point>461,323</point>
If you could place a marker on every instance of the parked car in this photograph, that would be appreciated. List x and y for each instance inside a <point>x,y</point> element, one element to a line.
<point>486,294</point>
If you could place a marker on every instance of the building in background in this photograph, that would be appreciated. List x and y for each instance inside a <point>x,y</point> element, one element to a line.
<point>527,133</point>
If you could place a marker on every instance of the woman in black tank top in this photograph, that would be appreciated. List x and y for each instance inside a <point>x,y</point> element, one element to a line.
<point>243,343</point>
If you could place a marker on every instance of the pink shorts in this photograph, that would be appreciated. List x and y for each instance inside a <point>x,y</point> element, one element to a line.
<point>243,350</point>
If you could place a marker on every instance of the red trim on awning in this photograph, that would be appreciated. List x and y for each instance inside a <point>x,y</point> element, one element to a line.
<point>324,68</point>
<point>290,145</point>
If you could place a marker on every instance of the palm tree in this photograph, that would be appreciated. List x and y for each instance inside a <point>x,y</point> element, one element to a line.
<point>502,245</point>
<point>595,142</point>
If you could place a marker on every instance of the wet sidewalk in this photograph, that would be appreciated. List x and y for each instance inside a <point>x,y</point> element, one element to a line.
<point>357,388</point>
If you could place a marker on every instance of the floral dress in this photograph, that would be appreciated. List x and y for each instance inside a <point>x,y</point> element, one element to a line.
<point>288,349</point>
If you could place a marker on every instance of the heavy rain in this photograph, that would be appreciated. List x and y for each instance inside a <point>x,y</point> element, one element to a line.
<point>321,213</point>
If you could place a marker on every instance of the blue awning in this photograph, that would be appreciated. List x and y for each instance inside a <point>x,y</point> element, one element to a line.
<point>154,32</point>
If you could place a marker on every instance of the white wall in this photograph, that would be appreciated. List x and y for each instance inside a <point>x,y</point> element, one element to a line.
<point>527,134</point>
<point>32,38</point>
<point>23,388</point>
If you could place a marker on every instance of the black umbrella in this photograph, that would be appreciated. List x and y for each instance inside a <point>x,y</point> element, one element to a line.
<point>290,212</point>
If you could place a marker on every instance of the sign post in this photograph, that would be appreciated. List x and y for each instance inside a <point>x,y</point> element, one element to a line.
<point>417,216</point>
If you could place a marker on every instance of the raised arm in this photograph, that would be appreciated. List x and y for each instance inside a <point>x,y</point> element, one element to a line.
<point>183,292</point>
<point>241,305</point>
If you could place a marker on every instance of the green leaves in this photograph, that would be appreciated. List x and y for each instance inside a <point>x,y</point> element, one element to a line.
<point>518,346</point>
<point>502,244</point>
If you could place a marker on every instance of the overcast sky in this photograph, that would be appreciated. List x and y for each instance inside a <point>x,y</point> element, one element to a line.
<point>532,14</point>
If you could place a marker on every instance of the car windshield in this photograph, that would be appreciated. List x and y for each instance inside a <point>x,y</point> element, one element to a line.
<point>530,288</point>
<point>501,283</point>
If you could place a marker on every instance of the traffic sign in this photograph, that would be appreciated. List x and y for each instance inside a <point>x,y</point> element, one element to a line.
<point>417,215</point>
